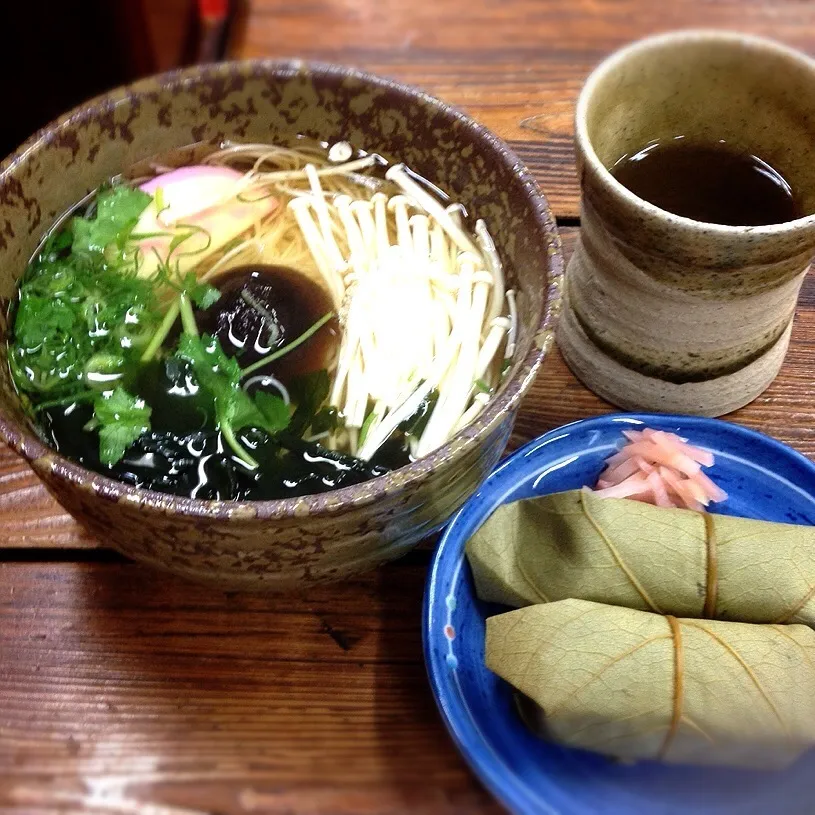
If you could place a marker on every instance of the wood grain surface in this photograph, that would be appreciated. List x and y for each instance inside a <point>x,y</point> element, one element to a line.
<point>127,691</point>
<point>515,65</point>
<point>120,686</point>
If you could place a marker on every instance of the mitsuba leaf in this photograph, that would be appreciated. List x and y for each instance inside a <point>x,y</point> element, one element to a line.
<point>309,392</point>
<point>38,316</point>
<point>221,375</point>
<point>202,294</point>
<point>274,410</point>
<point>57,243</point>
<point>117,211</point>
<point>327,419</point>
<point>214,369</point>
<point>121,419</point>
<point>78,301</point>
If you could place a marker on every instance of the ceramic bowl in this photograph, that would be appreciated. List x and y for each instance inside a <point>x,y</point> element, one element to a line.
<point>284,544</point>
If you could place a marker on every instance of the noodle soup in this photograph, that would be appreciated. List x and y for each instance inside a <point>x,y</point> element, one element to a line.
<point>255,321</point>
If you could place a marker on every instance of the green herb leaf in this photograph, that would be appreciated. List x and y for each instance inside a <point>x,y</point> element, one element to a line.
<point>82,315</point>
<point>234,408</point>
<point>37,315</point>
<point>57,243</point>
<point>309,392</point>
<point>275,411</point>
<point>121,418</point>
<point>73,307</point>
<point>202,294</point>
<point>214,369</point>
<point>117,212</point>
<point>327,419</point>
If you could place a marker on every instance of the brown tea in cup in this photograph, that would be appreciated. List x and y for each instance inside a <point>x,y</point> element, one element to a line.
<point>681,292</point>
<point>710,182</point>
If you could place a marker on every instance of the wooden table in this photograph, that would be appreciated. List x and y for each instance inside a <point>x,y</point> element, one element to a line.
<point>125,691</point>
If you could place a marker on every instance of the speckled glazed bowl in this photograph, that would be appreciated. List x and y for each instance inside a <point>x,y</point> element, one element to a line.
<point>663,312</point>
<point>282,545</point>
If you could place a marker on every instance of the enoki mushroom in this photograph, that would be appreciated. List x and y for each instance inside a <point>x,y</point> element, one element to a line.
<point>428,323</point>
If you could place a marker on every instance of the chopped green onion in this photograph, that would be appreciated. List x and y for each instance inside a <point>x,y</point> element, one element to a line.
<point>306,335</point>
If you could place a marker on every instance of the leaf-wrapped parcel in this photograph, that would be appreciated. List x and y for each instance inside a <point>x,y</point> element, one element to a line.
<point>636,685</point>
<point>627,553</point>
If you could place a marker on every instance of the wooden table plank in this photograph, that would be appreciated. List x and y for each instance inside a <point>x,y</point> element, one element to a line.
<point>32,519</point>
<point>120,682</point>
<point>29,517</point>
<point>516,66</point>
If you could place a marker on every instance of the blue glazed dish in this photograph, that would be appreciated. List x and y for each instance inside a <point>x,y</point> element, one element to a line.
<point>764,479</point>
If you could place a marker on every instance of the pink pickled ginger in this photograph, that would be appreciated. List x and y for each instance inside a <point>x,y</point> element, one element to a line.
<point>659,468</point>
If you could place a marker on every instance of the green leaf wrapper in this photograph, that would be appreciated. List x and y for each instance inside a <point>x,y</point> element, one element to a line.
<point>636,685</point>
<point>627,553</point>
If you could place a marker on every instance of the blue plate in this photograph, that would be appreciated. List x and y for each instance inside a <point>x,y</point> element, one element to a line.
<point>764,479</point>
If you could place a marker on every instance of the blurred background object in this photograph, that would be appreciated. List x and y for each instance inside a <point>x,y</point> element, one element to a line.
<point>56,55</point>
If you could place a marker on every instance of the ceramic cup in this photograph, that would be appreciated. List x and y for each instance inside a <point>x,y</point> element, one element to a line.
<point>663,312</point>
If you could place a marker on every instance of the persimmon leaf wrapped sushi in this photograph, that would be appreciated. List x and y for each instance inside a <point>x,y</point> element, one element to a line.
<point>636,685</point>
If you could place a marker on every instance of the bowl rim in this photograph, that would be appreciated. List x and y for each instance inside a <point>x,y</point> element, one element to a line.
<point>47,461</point>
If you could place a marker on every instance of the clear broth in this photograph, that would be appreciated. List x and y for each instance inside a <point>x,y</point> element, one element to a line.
<point>183,453</point>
